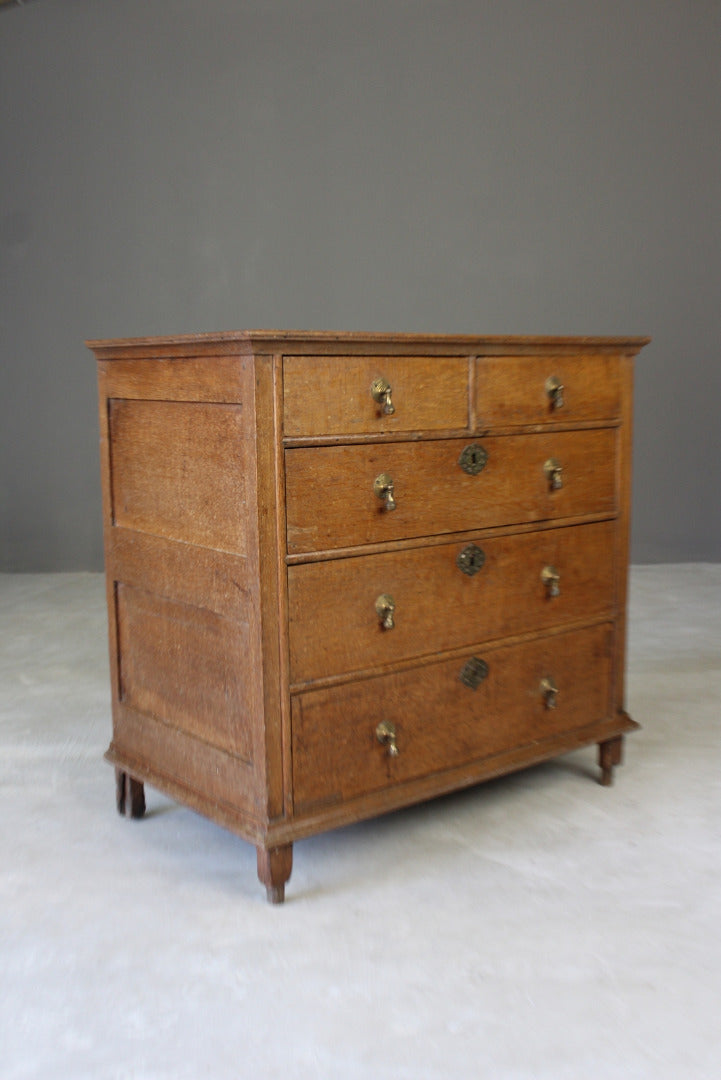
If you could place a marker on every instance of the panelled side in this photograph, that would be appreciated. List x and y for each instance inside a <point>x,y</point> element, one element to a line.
<point>181,566</point>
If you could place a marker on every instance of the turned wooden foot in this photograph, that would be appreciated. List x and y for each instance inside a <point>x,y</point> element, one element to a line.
<point>610,754</point>
<point>274,867</point>
<point>129,795</point>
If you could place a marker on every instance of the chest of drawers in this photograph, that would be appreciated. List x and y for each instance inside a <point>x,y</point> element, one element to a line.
<point>350,572</point>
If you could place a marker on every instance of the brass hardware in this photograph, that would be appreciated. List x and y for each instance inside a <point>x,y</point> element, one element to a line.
<point>473,459</point>
<point>473,672</point>
<point>549,691</point>
<point>381,390</point>
<point>385,609</point>
<point>470,560</point>
<point>552,580</point>
<point>386,734</point>
<point>555,389</point>
<point>553,470</point>
<point>383,488</point>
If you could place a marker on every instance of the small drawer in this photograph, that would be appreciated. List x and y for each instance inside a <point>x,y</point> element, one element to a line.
<point>338,496</point>
<point>348,615</point>
<point>512,390</point>
<point>445,715</point>
<point>361,395</point>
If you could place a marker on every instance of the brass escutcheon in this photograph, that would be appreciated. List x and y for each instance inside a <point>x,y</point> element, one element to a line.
<point>381,391</point>
<point>470,560</point>
<point>473,459</point>
<point>385,610</point>
<point>383,488</point>
<point>473,672</point>
<point>555,390</point>
<point>386,734</point>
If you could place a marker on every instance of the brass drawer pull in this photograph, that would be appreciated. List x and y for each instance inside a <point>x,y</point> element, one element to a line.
<point>383,488</point>
<point>386,734</point>
<point>473,672</point>
<point>470,560</point>
<point>552,580</point>
<point>473,459</point>
<point>385,610</point>
<point>549,690</point>
<point>554,474</point>
<point>555,390</point>
<point>381,390</point>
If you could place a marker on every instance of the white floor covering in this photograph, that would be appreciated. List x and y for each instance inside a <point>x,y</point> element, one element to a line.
<point>536,926</point>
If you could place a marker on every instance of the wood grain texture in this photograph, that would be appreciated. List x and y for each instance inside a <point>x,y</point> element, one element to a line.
<point>331,501</point>
<point>274,868</point>
<point>441,722</point>
<point>512,390</point>
<point>332,395</point>
<point>220,784</point>
<point>208,378</point>
<point>268,659</point>
<point>334,626</point>
<point>328,815</point>
<point>246,549</point>
<point>358,343</point>
<point>179,470</point>
<point>182,664</point>
<point>202,577</point>
<point>622,538</point>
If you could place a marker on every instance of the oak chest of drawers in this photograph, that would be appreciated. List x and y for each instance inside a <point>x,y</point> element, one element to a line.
<point>349,572</point>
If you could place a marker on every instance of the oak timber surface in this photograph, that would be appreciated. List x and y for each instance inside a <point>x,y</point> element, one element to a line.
<point>298,635</point>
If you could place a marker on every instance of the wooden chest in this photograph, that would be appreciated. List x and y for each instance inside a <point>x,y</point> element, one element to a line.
<point>350,572</point>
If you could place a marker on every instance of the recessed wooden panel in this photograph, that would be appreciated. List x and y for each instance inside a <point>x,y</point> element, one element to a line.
<point>184,665</point>
<point>202,577</point>
<point>334,626</point>
<point>512,389</point>
<point>440,722</point>
<point>331,395</point>
<point>207,378</point>
<point>188,768</point>
<point>331,501</point>
<point>180,470</point>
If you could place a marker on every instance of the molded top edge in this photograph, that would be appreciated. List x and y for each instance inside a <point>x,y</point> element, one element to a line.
<point>306,341</point>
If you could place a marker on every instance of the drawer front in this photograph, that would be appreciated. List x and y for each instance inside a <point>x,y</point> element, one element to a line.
<point>439,721</point>
<point>337,611</point>
<point>334,395</point>
<point>533,390</point>
<point>332,501</point>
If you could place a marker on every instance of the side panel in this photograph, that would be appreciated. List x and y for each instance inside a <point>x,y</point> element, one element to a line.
<point>182,664</point>
<point>180,470</point>
<point>180,523</point>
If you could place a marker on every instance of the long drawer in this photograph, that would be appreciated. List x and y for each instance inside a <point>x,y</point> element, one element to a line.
<point>446,714</point>
<point>350,614</point>
<point>342,496</point>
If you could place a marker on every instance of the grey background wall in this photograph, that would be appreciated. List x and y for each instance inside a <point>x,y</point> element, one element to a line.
<point>456,166</point>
